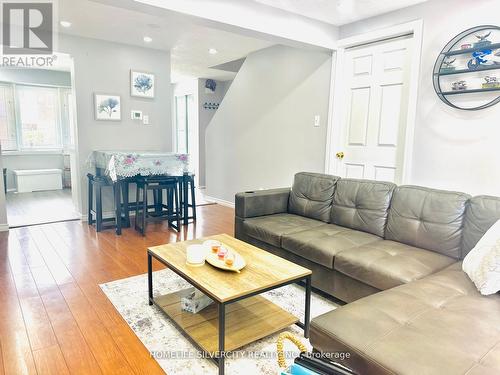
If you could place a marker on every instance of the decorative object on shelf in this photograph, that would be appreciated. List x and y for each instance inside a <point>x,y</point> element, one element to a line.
<point>210,86</point>
<point>459,85</point>
<point>459,58</point>
<point>483,42</point>
<point>107,107</point>
<point>211,105</point>
<point>193,300</point>
<point>483,58</point>
<point>142,84</point>
<point>448,66</point>
<point>491,83</point>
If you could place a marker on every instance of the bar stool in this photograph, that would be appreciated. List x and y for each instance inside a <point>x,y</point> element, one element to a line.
<point>126,205</point>
<point>157,185</point>
<point>185,191</point>
<point>95,186</point>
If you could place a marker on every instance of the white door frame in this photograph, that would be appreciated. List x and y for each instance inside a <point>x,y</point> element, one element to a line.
<point>64,60</point>
<point>336,102</point>
<point>76,176</point>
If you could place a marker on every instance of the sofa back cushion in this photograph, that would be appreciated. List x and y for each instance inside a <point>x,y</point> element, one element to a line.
<point>362,205</point>
<point>312,195</point>
<point>481,213</point>
<point>427,218</point>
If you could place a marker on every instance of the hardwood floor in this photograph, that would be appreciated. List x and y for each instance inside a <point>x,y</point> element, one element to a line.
<point>40,207</point>
<point>54,318</point>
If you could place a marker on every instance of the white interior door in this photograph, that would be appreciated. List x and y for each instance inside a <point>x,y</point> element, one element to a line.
<point>375,87</point>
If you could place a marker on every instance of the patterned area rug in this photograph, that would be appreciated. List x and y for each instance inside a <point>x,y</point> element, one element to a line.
<point>174,352</point>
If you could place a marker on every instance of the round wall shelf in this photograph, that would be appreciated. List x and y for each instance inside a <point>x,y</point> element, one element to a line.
<point>466,74</point>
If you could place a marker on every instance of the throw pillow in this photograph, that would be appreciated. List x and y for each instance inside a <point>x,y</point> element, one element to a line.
<point>482,264</point>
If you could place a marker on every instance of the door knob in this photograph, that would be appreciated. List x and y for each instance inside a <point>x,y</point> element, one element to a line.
<point>340,155</point>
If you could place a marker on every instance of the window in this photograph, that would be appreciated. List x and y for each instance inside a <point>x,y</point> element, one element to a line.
<point>184,107</point>
<point>34,118</point>
<point>38,109</point>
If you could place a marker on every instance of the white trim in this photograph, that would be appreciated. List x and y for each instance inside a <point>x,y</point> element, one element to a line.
<point>76,181</point>
<point>411,115</point>
<point>334,117</point>
<point>105,215</point>
<point>331,96</point>
<point>222,202</point>
<point>4,227</point>
<point>381,34</point>
<point>335,105</point>
<point>33,152</point>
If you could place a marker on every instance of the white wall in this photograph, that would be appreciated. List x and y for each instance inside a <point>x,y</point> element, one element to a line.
<point>263,131</point>
<point>457,150</point>
<point>204,118</point>
<point>104,67</point>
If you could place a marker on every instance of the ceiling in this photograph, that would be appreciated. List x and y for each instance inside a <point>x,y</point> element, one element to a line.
<point>187,41</point>
<point>339,12</point>
<point>127,21</point>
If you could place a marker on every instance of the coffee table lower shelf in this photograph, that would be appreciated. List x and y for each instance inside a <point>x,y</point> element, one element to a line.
<point>246,321</point>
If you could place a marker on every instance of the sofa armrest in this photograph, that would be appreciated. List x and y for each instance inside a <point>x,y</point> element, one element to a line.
<point>262,202</point>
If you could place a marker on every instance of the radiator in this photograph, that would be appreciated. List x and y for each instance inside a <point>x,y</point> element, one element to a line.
<point>28,180</point>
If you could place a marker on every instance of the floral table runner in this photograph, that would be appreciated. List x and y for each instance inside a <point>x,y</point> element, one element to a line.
<point>121,164</point>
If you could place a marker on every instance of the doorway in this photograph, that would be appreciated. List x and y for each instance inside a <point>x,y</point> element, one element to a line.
<point>374,106</point>
<point>38,139</point>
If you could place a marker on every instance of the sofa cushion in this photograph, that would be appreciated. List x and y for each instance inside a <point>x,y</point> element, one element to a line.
<point>321,244</point>
<point>270,229</point>
<point>362,205</point>
<point>427,218</point>
<point>434,326</point>
<point>481,213</point>
<point>312,195</point>
<point>385,264</point>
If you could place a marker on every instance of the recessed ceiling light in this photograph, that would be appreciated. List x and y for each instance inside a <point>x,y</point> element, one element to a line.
<point>65,24</point>
<point>212,51</point>
<point>148,39</point>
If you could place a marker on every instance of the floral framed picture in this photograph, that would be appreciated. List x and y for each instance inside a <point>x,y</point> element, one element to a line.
<point>142,84</point>
<point>107,107</point>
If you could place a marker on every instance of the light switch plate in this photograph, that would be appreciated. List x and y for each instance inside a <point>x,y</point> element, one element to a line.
<point>145,119</point>
<point>317,121</point>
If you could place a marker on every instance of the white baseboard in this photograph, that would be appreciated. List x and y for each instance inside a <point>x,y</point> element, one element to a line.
<point>105,215</point>
<point>4,227</point>
<point>222,202</point>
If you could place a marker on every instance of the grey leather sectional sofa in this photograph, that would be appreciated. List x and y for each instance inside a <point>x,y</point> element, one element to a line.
<point>394,254</point>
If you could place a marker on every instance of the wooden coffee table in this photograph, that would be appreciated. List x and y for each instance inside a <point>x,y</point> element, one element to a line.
<point>239,315</point>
